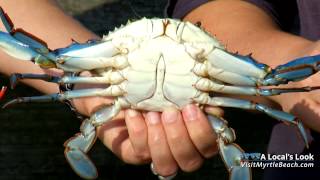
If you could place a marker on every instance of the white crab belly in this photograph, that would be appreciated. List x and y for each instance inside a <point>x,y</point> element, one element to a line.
<point>161,79</point>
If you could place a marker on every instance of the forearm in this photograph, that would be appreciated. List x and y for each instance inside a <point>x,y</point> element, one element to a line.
<point>44,19</point>
<point>246,28</point>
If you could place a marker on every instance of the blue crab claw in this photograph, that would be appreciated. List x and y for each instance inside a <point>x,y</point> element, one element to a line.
<point>23,45</point>
<point>295,70</point>
<point>81,163</point>
<point>15,48</point>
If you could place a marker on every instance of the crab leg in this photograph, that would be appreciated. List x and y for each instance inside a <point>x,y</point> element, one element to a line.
<point>113,90</point>
<point>243,104</point>
<point>244,70</point>
<point>108,78</point>
<point>220,59</point>
<point>23,45</point>
<point>77,146</point>
<point>231,77</point>
<point>209,85</point>
<point>230,152</point>
<point>14,78</point>
<point>15,48</point>
<point>76,64</point>
<point>295,70</point>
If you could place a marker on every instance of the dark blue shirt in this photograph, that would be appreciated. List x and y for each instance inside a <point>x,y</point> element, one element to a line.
<point>295,16</point>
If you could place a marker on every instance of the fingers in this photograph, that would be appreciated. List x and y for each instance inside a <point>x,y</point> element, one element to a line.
<point>114,135</point>
<point>181,146</point>
<point>164,163</point>
<point>170,140</point>
<point>200,130</point>
<point>138,133</point>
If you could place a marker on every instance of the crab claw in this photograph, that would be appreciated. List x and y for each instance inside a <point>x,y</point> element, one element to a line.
<point>295,70</point>
<point>3,91</point>
<point>23,45</point>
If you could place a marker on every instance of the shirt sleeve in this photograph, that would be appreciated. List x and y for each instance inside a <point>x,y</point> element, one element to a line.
<point>284,13</point>
<point>180,8</point>
<point>267,7</point>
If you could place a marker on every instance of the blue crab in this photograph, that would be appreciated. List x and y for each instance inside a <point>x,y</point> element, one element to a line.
<point>151,64</point>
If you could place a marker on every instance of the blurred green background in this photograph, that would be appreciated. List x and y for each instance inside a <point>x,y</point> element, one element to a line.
<point>32,135</point>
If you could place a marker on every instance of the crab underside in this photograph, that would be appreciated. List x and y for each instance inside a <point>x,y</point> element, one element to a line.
<point>153,64</point>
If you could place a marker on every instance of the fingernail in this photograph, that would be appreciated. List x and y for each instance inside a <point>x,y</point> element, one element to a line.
<point>170,115</point>
<point>191,112</point>
<point>153,118</point>
<point>132,113</point>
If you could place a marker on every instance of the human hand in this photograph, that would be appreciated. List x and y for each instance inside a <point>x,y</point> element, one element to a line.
<point>170,140</point>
